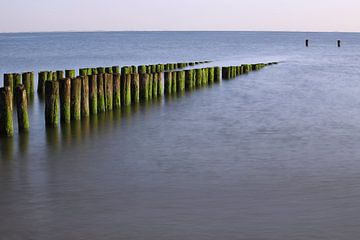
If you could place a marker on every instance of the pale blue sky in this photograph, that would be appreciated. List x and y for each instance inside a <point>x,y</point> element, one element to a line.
<point>89,15</point>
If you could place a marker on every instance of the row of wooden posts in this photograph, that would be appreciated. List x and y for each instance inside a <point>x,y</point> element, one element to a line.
<point>102,90</point>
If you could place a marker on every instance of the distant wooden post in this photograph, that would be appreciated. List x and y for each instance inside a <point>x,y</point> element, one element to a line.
<point>339,43</point>
<point>65,100</point>
<point>117,90</point>
<point>108,90</point>
<point>22,109</point>
<point>100,96</point>
<point>76,98</point>
<point>6,111</point>
<point>144,87</point>
<point>307,42</point>
<point>85,109</point>
<point>168,82</point>
<point>93,94</point>
<point>135,88</point>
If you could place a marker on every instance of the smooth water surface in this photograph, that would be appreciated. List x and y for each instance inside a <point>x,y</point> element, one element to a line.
<point>270,155</point>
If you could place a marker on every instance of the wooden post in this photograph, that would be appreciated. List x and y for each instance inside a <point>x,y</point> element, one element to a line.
<point>217,77</point>
<point>51,103</point>
<point>151,81</point>
<point>141,69</point>
<point>83,72</point>
<point>307,42</point>
<point>174,82</point>
<point>116,69</point>
<point>168,83</point>
<point>199,76</point>
<point>22,109</point>
<point>26,81</point>
<point>126,89</point>
<point>108,89</point>
<point>117,90</point>
<point>70,73</point>
<point>85,108</point>
<point>135,88</point>
<point>205,81</point>
<point>144,87</point>
<point>180,81</point>
<point>338,43</point>
<point>59,74</point>
<point>6,112</point>
<point>93,94</point>
<point>160,84</point>
<point>189,80</point>
<point>76,98</point>
<point>155,85</point>
<point>9,81</point>
<point>100,70</point>
<point>65,100</point>
<point>100,96</point>
<point>109,70</point>
<point>43,76</point>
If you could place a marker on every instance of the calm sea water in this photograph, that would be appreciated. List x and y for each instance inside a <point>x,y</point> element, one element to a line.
<point>271,155</point>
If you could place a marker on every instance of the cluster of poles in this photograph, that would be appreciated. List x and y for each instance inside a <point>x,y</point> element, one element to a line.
<point>98,90</point>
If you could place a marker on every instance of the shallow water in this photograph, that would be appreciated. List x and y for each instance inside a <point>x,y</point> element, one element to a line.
<point>270,155</point>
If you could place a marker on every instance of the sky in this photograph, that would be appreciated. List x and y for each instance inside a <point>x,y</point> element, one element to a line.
<point>133,15</point>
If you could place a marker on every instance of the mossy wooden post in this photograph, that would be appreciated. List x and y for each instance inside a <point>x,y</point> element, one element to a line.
<point>85,108</point>
<point>174,82</point>
<point>135,88</point>
<point>93,94</point>
<point>32,84</point>
<point>189,80</point>
<point>217,74</point>
<point>151,81</point>
<point>109,70</point>
<point>211,76</point>
<point>83,72</point>
<point>6,112</point>
<point>126,89</point>
<point>205,77</point>
<point>9,81</point>
<point>117,90</point>
<point>70,73</point>
<point>26,81</point>
<point>100,96</point>
<point>65,100</point>
<point>160,84</point>
<point>155,85</point>
<point>100,70</point>
<point>115,69</point>
<point>199,77</point>
<point>180,83</point>
<point>108,90</point>
<point>22,108</point>
<point>168,83</point>
<point>51,103</point>
<point>144,87</point>
<point>43,76</point>
<point>141,69</point>
<point>76,98</point>
<point>59,74</point>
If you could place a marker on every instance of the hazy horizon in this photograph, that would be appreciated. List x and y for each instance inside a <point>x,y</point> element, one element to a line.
<point>194,15</point>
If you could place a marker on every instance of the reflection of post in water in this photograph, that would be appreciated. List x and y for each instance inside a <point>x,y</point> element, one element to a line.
<point>23,143</point>
<point>6,148</point>
<point>76,131</point>
<point>52,139</point>
<point>66,134</point>
<point>85,128</point>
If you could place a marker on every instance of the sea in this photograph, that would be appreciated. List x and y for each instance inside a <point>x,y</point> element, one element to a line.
<point>273,154</point>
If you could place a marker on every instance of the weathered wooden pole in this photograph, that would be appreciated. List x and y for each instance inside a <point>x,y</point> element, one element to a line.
<point>174,82</point>
<point>141,69</point>
<point>70,73</point>
<point>199,77</point>
<point>217,77</point>
<point>160,83</point>
<point>168,83</point>
<point>109,70</point>
<point>307,42</point>
<point>9,81</point>
<point>116,69</point>
<point>117,90</point>
<point>211,75</point>
<point>43,76</point>
<point>108,89</point>
<point>144,87</point>
<point>180,81</point>
<point>59,74</point>
<point>205,80</point>
<point>151,81</point>
<point>51,103</point>
<point>22,109</point>
<point>85,106</point>
<point>155,85</point>
<point>6,112</point>
<point>83,72</point>
<point>338,43</point>
<point>189,80</point>
<point>100,96</point>
<point>100,70</point>
<point>76,98</point>
<point>126,89</point>
<point>93,94</point>
<point>135,88</point>
<point>65,100</point>
<point>26,81</point>
<point>17,79</point>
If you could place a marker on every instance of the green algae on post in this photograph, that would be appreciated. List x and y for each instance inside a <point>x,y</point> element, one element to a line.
<point>160,85</point>
<point>43,76</point>
<point>65,100</point>
<point>22,109</point>
<point>126,89</point>
<point>144,87</point>
<point>167,83</point>
<point>189,80</point>
<point>100,96</point>
<point>6,112</point>
<point>135,88</point>
<point>180,81</point>
<point>9,81</point>
<point>70,73</point>
<point>51,103</point>
<point>155,85</point>
<point>217,77</point>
